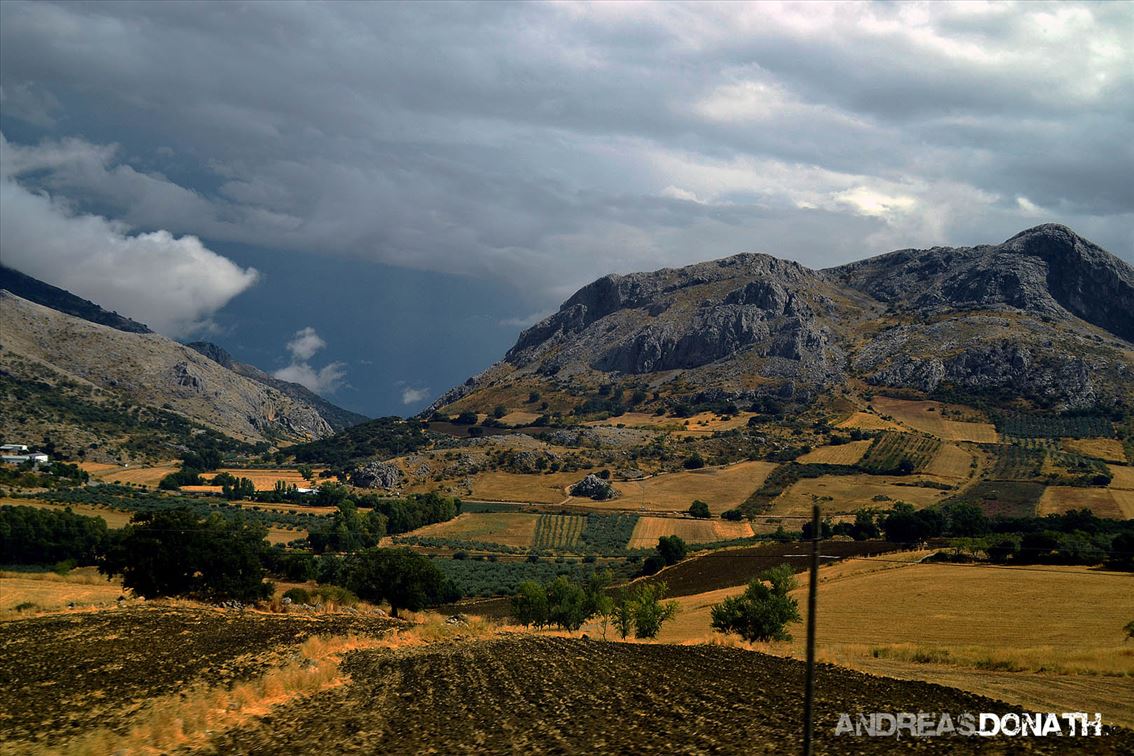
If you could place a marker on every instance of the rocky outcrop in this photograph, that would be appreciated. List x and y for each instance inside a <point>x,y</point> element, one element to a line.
<point>593,487</point>
<point>383,475</point>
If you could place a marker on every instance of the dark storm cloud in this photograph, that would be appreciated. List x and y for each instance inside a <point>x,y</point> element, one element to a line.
<point>544,145</point>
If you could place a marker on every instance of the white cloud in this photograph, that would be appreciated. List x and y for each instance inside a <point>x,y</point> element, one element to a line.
<point>304,345</point>
<point>173,284</point>
<point>412,395</point>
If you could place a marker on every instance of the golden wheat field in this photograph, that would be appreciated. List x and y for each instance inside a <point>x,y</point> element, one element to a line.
<point>868,421</point>
<point>518,418</point>
<point>722,488</point>
<point>144,476</point>
<point>1101,501</point>
<point>842,454</point>
<point>925,416</point>
<point>650,529</point>
<point>850,492</point>
<point>1049,638</point>
<point>507,528</point>
<point>265,480</point>
<point>1107,449</point>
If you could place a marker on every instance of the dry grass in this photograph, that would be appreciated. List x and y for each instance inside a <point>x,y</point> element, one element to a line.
<point>650,529</point>
<point>518,418</point>
<point>145,476</point>
<point>507,528</point>
<point>926,416</point>
<point>1123,477</point>
<point>951,462</point>
<point>1101,501</point>
<point>1125,502</point>
<point>843,454</point>
<point>851,492</point>
<point>703,423</point>
<point>722,488</point>
<point>265,480</point>
<point>1107,449</point>
<point>539,489</point>
<point>968,626</point>
<point>48,590</point>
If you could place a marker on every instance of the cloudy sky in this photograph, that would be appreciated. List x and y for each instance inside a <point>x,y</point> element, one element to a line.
<point>373,199</point>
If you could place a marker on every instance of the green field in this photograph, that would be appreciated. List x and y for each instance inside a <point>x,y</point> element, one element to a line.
<point>558,531</point>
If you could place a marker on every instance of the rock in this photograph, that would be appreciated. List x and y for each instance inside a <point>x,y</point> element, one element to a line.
<point>593,487</point>
<point>384,475</point>
<point>457,619</point>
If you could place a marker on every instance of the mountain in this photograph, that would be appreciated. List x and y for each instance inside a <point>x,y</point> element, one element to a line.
<point>34,290</point>
<point>1045,318</point>
<point>128,394</point>
<point>337,417</point>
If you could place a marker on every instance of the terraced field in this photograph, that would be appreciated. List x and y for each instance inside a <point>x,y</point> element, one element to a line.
<point>563,695</point>
<point>650,529</point>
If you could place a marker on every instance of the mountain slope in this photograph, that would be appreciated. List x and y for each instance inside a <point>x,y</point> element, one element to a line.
<point>1046,317</point>
<point>337,417</point>
<point>34,290</point>
<point>39,345</point>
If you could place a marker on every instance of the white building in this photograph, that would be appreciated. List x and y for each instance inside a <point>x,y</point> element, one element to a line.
<point>36,458</point>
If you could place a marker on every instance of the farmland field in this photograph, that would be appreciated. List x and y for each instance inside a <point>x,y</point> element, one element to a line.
<point>144,476</point>
<point>1054,426</point>
<point>851,492</point>
<point>1122,477</point>
<point>1061,632</point>
<point>889,450</point>
<point>1004,498</point>
<point>842,454</point>
<point>1106,449</point>
<point>528,694</point>
<point>559,531</point>
<point>538,489</point>
<point>1015,462</point>
<point>926,416</point>
<point>721,487</point>
<point>868,421</point>
<point>265,480</point>
<point>508,529</point>
<point>650,529</point>
<point>48,590</point>
<point>703,423</point>
<point>951,462</point>
<point>1061,499</point>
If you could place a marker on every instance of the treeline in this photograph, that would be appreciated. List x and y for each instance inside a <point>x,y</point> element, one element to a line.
<point>350,528</point>
<point>568,604</point>
<point>44,536</point>
<point>384,437</point>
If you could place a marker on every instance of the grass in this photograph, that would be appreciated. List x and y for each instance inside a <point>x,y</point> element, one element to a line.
<point>1060,628</point>
<point>889,450</point>
<point>850,492</point>
<point>649,529</point>
<point>868,421</point>
<point>538,489</point>
<point>144,476</point>
<point>1101,501</point>
<point>722,488</point>
<point>842,454</point>
<point>506,528</point>
<point>1122,477</point>
<point>931,417</point>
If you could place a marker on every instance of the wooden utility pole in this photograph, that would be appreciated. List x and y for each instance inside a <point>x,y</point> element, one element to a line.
<point>812,588</point>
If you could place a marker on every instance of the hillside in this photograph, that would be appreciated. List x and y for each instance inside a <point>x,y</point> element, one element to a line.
<point>34,290</point>
<point>63,376</point>
<point>1043,321</point>
<point>338,418</point>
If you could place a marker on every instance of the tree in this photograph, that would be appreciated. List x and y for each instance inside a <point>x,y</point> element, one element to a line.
<point>699,509</point>
<point>694,462</point>
<point>623,617</point>
<point>402,578</point>
<point>240,488</point>
<point>600,603</point>
<point>307,473</point>
<point>763,611</point>
<point>533,397</point>
<point>529,605</point>
<point>567,604</point>
<point>176,553</point>
<point>499,411</point>
<point>649,612</point>
<point>468,417</point>
<point>672,549</point>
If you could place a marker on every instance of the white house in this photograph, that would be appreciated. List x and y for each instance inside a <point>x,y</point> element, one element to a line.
<point>36,458</point>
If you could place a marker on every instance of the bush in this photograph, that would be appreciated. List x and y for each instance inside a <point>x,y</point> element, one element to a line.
<point>762,612</point>
<point>734,515</point>
<point>649,612</point>
<point>333,594</point>
<point>672,549</point>
<point>694,462</point>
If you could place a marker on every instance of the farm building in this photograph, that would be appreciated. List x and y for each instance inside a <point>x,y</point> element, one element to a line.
<point>13,449</point>
<point>36,458</point>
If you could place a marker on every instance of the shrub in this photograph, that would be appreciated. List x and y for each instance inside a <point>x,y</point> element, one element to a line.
<point>699,509</point>
<point>297,596</point>
<point>735,515</point>
<point>694,462</point>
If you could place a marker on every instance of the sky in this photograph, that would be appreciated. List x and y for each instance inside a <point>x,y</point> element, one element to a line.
<point>374,199</point>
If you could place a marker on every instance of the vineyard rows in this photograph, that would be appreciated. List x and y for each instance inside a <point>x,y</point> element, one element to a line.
<point>558,531</point>
<point>899,452</point>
